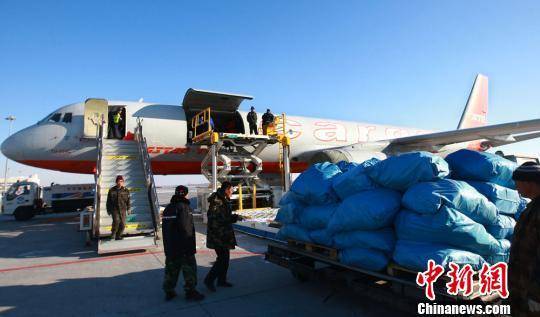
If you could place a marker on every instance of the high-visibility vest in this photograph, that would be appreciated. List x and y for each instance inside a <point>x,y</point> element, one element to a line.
<point>116,118</point>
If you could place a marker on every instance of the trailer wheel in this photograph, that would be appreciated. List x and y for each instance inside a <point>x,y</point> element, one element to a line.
<point>300,276</point>
<point>24,213</point>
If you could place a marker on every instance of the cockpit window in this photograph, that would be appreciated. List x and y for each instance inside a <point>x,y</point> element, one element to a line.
<point>55,117</point>
<point>67,117</point>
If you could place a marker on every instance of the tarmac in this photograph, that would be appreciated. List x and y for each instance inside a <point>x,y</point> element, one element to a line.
<point>46,270</point>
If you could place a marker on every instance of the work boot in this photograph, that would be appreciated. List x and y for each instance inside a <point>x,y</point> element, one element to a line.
<point>193,295</point>
<point>209,284</point>
<point>224,284</point>
<point>119,238</point>
<point>170,295</point>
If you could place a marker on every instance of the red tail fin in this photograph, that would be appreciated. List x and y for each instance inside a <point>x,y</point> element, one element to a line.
<point>475,113</point>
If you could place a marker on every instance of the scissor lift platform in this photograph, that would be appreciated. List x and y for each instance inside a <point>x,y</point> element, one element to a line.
<point>235,157</point>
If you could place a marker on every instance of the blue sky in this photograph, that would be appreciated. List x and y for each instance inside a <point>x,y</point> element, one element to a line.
<point>406,63</point>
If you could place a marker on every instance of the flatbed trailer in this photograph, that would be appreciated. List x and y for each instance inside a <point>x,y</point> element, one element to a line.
<point>396,286</point>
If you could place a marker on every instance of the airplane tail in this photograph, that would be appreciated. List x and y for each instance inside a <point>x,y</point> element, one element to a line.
<point>475,113</point>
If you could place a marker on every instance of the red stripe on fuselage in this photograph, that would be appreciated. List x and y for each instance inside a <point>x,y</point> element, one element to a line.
<point>158,167</point>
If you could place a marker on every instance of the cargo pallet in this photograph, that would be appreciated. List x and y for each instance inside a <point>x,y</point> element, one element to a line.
<point>396,287</point>
<point>321,250</point>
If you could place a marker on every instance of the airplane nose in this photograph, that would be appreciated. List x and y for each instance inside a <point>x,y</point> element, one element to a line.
<point>9,148</point>
<point>19,145</point>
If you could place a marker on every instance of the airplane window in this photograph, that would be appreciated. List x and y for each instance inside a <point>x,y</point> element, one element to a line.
<point>46,118</point>
<point>67,117</point>
<point>55,117</point>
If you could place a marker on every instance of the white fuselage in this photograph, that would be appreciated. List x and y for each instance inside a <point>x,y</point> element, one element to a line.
<point>61,146</point>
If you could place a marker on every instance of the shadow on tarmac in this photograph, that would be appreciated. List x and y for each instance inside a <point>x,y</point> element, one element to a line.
<point>259,290</point>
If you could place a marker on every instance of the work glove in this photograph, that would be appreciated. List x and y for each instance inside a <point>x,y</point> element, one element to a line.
<point>534,306</point>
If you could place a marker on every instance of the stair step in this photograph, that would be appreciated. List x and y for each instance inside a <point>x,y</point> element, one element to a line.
<point>119,157</point>
<point>134,207</point>
<point>134,204</point>
<point>130,228</point>
<point>105,219</point>
<point>127,244</point>
<point>124,168</point>
<point>132,200</point>
<point>136,164</point>
<point>132,195</point>
<point>127,179</point>
<point>129,162</point>
<point>126,174</point>
<point>132,187</point>
<point>116,141</point>
<point>121,145</point>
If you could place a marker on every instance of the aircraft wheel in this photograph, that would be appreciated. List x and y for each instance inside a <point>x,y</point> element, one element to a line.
<point>24,213</point>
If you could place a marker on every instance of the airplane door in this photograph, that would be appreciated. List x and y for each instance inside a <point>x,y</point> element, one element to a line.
<point>95,110</point>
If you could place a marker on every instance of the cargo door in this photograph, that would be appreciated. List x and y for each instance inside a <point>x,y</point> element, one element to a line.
<point>223,109</point>
<point>95,110</point>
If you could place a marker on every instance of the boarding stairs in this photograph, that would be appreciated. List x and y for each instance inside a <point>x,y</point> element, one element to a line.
<point>130,159</point>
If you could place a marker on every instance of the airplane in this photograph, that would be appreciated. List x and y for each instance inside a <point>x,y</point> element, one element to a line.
<point>58,141</point>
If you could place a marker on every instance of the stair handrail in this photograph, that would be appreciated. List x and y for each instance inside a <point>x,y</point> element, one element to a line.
<point>97,174</point>
<point>148,174</point>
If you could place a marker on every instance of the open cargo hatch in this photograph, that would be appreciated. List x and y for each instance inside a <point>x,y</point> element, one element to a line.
<point>223,106</point>
<point>198,100</point>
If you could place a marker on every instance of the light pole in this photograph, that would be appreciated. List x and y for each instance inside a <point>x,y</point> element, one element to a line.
<point>10,119</point>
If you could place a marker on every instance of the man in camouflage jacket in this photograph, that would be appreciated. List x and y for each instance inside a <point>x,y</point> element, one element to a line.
<point>220,235</point>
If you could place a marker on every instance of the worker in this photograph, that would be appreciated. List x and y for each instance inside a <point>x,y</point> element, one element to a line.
<point>122,126</point>
<point>267,120</point>
<point>117,125</point>
<point>252,120</point>
<point>179,246</point>
<point>118,205</point>
<point>220,235</point>
<point>202,126</point>
<point>524,263</point>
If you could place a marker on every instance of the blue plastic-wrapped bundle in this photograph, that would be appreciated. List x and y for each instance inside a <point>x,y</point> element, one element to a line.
<point>522,206</point>
<point>369,210</point>
<point>368,259</point>
<point>503,229</point>
<point>402,171</point>
<point>293,232</point>
<point>314,185</point>
<point>506,200</point>
<point>429,197</point>
<point>290,209</point>
<point>383,239</point>
<point>288,213</point>
<point>481,166</point>
<point>344,166</point>
<point>502,255</point>
<point>322,237</point>
<point>289,198</point>
<point>449,227</point>
<point>415,255</point>
<point>316,217</point>
<point>354,180</point>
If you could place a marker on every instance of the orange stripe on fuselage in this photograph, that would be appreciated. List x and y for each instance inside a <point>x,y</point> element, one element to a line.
<point>158,167</point>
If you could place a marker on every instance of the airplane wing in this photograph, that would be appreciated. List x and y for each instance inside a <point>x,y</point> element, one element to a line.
<point>491,136</point>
